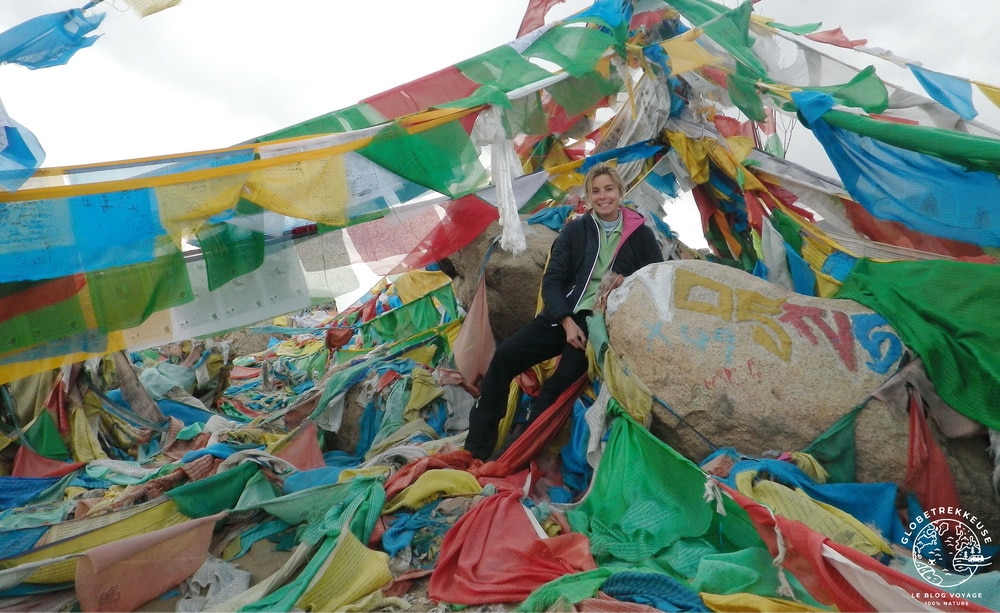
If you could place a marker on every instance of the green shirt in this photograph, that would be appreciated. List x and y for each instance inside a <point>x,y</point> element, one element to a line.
<point>608,245</point>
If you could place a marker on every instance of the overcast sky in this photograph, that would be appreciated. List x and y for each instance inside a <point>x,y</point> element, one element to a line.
<point>213,73</point>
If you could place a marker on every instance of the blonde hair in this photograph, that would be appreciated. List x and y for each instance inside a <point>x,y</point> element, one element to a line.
<point>602,168</point>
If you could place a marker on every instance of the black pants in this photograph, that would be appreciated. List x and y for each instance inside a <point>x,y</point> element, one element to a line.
<point>534,343</point>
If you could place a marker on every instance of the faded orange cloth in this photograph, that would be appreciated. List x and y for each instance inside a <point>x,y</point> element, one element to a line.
<point>124,574</point>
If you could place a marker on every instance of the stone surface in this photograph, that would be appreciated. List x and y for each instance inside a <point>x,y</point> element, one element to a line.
<point>750,365</point>
<point>512,281</point>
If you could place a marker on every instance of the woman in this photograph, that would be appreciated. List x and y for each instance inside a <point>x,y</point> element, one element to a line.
<point>605,244</point>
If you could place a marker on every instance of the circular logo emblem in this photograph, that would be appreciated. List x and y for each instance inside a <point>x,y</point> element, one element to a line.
<point>947,546</point>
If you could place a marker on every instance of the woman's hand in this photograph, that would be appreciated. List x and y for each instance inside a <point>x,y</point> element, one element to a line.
<point>574,334</point>
<point>609,282</point>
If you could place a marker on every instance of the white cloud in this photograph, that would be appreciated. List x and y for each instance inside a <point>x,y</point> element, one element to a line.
<point>213,73</point>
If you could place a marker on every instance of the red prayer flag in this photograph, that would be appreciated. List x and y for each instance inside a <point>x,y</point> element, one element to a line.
<point>35,295</point>
<point>436,88</point>
<point>836,37</point>
<point>927,472</point>
<point>464,220</point>
<point>534,15</point>
<point>27,463</point>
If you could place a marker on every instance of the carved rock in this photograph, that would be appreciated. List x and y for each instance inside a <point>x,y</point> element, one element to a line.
<point>750,365</point>
<point>512,281</point>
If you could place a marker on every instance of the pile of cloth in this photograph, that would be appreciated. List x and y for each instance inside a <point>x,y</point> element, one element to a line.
<point>326,472</point>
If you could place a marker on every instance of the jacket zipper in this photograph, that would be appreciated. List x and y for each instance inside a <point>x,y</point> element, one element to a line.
<point>592,266</point>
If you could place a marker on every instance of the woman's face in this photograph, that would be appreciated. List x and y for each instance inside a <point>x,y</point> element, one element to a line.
<point>605,197</point>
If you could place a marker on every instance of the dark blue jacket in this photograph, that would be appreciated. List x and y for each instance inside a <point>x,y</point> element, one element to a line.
<point>574,254</point>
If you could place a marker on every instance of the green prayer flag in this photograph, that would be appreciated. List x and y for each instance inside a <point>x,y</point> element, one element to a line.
<point>788,228</point>
<point>215,493</point>
<point>865,91</point>
<point>836,449</point>
<point>574,49</point>
<point>946,312</point>
<point>125,296</point>
<point>503,68</point>
<point>743,92</point>
<point>409,319</point>
<point>49,323</point>
<point>230,251</point>
<point>487,94</point>
<point>442,158</point>
<point>699,11</point>
<point>806,28</point>
<point>44,439</point>
<point>731,30</point>
<point>578,95</point>
<point>972,151</point>
<point>660,503</point>
<point>526,116</point>
<point>659,518</point>
<point>544,193</point>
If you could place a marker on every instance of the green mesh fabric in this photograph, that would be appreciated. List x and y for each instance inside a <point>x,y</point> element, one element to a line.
<point>230,251</point>
<point>686,554</point>
<point>731,30</point>
<point>355,504</point>
<point>303,506</point>
<point>526,116</point>
<point>743,92</point>
<point>126,296</point>
<point>359,510</point>
<point>750,571</point>
<point>836,449</point>
<point>944,311</point>
<point>319,507</point>
<point>658,518</point>
<point>502,67</point>
<point>569,589</point>
<point>578,95</point>
<point>442,158</point>
<point>213,494</point>
<point>576,50</point>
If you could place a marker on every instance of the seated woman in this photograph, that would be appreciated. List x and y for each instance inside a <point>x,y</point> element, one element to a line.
<point>608,241</point>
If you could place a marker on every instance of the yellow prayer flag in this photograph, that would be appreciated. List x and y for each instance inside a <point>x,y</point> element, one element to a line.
<point>991,92</point>
<point>686,54</point>
<point>184,207</point>
<point>693,154</point>
<point>313,189</point>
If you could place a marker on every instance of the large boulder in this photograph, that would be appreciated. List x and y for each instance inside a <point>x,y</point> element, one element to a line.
<point>747,364</point>
<point>512,281</point>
